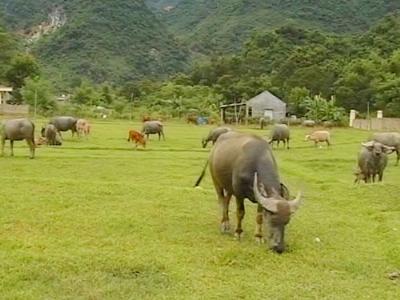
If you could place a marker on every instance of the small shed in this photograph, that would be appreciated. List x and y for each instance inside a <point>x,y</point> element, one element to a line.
<point>4,93</point>
<point>266,105</point>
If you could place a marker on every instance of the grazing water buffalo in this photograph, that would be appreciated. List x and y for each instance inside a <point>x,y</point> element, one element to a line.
<point>82,127</point>
<point>64,124</point>
<point>153,127</point>
<point>137,137</point>
<point>319,136</point>
<point>50,134</point>
<point>372,161</point>
<point>308,123</point>
<point>214,134</point>
<point>280,132</point>
<point>391,139</point>
<point>18,130</point>
<point>243,165</point>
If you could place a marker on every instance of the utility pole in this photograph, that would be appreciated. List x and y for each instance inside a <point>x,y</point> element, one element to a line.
<point>35,105</point>
<point>131,117</point>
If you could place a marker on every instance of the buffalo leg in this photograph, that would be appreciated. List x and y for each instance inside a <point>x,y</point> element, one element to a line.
<point>12,147</point>
<point>31,144</point>
<point>259,221</point>
<point>224,201</point>
<point>380,176</point>
<point>3,142</point>
<point>159,136</point>
<point>398,156</point>
<point>240,215</point>
<point>287,144</point>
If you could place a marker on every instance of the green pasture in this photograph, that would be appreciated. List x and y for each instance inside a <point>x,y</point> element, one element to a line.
<point>96,219</point>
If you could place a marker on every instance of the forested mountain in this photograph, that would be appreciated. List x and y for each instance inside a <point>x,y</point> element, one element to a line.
<point>102,40</point>
<point>222,25</point>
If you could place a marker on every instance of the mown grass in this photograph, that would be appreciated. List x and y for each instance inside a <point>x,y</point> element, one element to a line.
<point>95,219</point>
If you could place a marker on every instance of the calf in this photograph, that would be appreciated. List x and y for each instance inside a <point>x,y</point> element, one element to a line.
<point>82,127</point>
<point>137,137</point>
<point>319,136</point>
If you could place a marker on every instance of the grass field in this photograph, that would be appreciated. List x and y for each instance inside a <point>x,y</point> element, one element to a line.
<point>95,219</point>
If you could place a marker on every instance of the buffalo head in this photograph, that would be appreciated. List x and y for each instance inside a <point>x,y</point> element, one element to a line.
<point>277,213</point>
<point>377,148</point>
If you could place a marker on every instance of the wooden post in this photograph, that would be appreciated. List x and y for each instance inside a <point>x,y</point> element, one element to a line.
<point>247,115</point>
<point>236,116</point>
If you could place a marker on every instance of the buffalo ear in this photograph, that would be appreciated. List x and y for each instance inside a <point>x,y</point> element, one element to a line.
<point>284,191</point>
<point>368,145</point>
<point>295,204</point>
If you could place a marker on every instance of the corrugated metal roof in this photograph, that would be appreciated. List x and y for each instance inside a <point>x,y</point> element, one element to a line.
<point>265,97</point>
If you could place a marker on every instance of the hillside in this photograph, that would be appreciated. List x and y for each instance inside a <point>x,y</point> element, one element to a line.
<point>160,5</point>
<point>102,40</point>
<point>222,25</point>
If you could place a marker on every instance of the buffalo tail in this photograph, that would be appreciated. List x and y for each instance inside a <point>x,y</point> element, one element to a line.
<point>201,175</point>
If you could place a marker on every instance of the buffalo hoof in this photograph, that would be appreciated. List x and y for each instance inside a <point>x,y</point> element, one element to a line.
<point>259,240</point>
<point>225,227</point>
<point>238,236</point>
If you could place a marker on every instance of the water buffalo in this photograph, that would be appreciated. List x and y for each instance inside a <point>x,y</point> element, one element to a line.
<point>153,127</point>
<point>243,165</point>
<point>18,130</point>
<point>50,133</point>
<point>64,124</point>
<point>372,161</point>
<point>214,134</point>
<point>391,139</point>
<point>308,123</point>
<point>280,132</point>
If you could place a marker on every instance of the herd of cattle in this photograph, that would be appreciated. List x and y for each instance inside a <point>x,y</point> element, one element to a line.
<point>24,129</point>
<point>241,165</point>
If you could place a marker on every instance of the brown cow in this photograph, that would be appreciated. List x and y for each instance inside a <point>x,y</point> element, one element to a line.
<point>137,137</point>
<point>146,118</point>
<point>191,119</point>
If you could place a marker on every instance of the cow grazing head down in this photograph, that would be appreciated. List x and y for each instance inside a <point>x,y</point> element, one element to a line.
<point>277,213</point>
<point>377,149</point>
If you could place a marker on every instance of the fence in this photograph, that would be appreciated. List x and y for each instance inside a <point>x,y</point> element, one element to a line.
<point>379,124</point>
<point>7,109</point>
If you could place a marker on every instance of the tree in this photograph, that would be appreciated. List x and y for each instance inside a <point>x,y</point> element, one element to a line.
<point>85,94</point>
<point>7,46</point>
<point>22,66</point>
<point>41,91</point>
<point>320,109</point>
<point>296,97</point>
